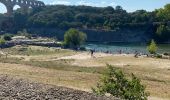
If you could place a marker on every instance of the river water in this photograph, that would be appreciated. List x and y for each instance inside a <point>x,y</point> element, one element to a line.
<point>126,48</point>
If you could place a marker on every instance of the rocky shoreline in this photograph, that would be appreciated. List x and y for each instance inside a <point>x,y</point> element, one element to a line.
<point>19,89</point>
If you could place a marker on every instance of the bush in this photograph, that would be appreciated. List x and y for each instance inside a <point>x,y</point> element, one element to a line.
<point>115,83</point>
<point>158,56</point>
<point>152,48</point>
<point>74,38</point>
<point>24,33</point>
<point>7,37</point>
<point>2,41</point>
<point>166,54</point>
<point>82,48</point>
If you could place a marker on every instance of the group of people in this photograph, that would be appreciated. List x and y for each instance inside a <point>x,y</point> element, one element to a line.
<point>119,52</point>
<point>108,52</point>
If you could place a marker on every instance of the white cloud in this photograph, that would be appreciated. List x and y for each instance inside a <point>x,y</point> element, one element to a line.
<point>3,8</point>
<point>64,2</point>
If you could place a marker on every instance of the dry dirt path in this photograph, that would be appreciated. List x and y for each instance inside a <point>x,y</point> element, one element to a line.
<point>100,60</point>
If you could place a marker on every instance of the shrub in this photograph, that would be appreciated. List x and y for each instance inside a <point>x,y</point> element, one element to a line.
<point>152,48</point>
<point>74,38</point>
<point>2,41</point>
<point>7,37</point>
<point>83,48</point>
<point>158,56</point>
<point>115,83</point>
<point>167,54</point>
<point>24,33</point>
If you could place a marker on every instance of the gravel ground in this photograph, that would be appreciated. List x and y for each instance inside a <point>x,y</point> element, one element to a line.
<point>18,89</point>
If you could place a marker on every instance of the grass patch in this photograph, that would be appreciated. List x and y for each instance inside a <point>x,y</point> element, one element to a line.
<point>34,50</point>
<point>62,64</point>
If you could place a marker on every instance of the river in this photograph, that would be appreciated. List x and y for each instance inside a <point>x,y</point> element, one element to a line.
<point>125,47</point>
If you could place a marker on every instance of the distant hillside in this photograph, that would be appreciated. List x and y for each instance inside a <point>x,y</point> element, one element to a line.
<point>94,18</point>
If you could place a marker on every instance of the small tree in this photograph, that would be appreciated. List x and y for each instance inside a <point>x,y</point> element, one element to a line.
<point>115,83</point>
<point>74,38</point>
<point>152,48</point>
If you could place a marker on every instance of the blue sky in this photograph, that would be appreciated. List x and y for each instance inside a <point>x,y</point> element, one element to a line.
<point>129,5</point>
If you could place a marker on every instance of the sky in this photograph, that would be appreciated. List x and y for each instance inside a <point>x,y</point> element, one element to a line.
<point>129,5</point>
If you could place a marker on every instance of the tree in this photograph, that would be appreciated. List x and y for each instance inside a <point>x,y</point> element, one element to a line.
<point>118,8</point>
<point>115,83</point>
<point>163,14</point>
<point>74,38</point>
<point>163,33</point>
<point>152,48</point>
<point>86,17</point>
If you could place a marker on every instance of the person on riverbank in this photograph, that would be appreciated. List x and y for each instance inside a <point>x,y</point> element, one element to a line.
<point>136,54</point>
<point>120,51</point>
<point>92,52</point>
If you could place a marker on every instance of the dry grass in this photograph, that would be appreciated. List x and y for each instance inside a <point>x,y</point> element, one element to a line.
<point>84,73</point>
<point>78,80</point>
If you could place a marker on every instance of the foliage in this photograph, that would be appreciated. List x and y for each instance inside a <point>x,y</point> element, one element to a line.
<point>161,29</point>
<point>115,83</point>
<point>163,14</point>
<point>86,17</point>
<point>163,33</point>
<point>152,48</point>
<point>24,33</point>
<point>158,56</point>
<point>74,38</point>
<point>2,41</point>
<point>20,19</point>
<point>7,37</point>
<point>167,54</point>
<point>66,17</point>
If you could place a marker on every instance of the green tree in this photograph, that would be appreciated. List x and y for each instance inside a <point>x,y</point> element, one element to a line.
<point>115,83</point>
<point>74,38</point>
<point>152,48</point>
<point>163,33</point>
<point>163,14</point>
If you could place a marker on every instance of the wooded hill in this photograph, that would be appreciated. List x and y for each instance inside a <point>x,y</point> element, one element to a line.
<point>154,24</point>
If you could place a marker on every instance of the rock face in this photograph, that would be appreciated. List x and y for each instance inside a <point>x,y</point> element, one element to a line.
<point>124,35</point>
<point>18,89</point>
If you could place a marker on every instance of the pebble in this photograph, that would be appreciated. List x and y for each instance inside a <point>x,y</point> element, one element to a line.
<point>19,89</point>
